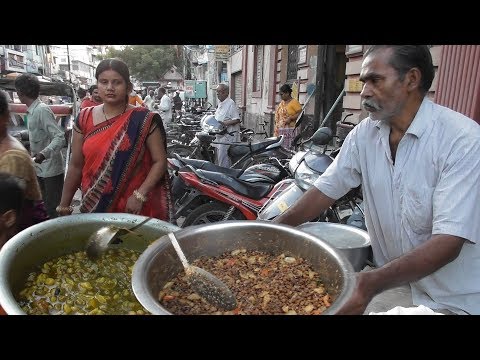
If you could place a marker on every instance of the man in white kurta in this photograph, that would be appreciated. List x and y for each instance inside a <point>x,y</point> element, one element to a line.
<point>227,113</point>
<point>165,107</point>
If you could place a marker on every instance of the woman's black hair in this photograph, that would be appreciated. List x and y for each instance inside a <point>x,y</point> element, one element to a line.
<point>117,65</point>
<point>81,93</point>
<point>285,88</point>
<point>11,193</point>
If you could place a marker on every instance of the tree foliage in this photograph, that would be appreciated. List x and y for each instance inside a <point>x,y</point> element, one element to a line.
<point>149,62</point>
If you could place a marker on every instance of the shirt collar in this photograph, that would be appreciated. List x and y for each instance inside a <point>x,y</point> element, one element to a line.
<point>419,123</point>
<point>421,119</point>
<point>33,106</point>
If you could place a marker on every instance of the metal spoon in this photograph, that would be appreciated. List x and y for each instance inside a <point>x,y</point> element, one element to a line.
<point>99,241</point>
<point>205,283</point>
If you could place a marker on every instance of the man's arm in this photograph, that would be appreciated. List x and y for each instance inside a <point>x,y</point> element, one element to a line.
<point>422,261</point>
<point>308,207</point>
<point>232,117</point>
<point>228,122</point>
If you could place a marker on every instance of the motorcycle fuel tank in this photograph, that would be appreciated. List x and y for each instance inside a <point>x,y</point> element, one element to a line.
<point>281,203</point>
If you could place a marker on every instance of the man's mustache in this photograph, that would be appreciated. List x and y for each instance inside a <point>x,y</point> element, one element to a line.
<point>370,105</point>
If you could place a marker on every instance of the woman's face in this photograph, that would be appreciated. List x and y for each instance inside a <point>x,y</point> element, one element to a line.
<point>112,87</point>
<point>284,95</point>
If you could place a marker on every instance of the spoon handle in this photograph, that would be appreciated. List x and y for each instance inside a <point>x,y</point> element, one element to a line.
<point>140,224</point>
<point>179,251</point>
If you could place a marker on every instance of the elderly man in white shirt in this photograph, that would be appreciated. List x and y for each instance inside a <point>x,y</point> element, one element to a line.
<point>419,168</point>
<point>227,113</point>
<point>149,101</point>
<point>165,107</point>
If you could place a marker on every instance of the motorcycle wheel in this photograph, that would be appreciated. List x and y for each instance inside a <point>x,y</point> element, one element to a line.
<point>210,213</point>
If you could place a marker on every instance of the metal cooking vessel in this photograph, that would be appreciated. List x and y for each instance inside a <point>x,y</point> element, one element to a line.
<point>53,238</point>
<point>351,241</point>
<point>159,263</point>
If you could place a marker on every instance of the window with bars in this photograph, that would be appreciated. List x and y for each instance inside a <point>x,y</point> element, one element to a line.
<point>258,69</point>
<point>292,63</point>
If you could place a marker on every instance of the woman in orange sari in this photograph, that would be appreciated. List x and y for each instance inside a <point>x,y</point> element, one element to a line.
<point>286,114</point>
<point>118,153</point>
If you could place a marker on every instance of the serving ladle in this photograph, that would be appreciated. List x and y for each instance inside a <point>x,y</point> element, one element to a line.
<point>205,284</point>
<point>100,240</point>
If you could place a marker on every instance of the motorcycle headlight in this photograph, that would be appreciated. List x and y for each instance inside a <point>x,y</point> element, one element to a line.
<point>305,177</point>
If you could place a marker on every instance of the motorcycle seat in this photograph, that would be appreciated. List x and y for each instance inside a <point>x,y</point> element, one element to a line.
<point>254,191</point>
<point>207,165</point>
<point>240,150</point>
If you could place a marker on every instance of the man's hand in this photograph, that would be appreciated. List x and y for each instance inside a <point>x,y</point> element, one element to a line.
<point>38,158</point>
<point>360,298</point>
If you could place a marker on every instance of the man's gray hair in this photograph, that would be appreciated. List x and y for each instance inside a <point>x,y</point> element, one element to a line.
<point>223,86</point>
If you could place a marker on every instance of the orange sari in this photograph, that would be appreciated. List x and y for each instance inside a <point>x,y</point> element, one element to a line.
<point>117,162</point>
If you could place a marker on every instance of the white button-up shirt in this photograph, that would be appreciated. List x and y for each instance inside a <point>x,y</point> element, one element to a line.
<point>433,188</point>
<point>227,109</point>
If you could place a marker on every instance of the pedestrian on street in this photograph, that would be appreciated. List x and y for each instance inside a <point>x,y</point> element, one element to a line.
<point>226,113</point>
<point>93,100</point>
<point>286,115</point>
<point>46,141</point>
<point>165,107</point>
<point>149,101</point>
<point>177,103</point>
<point>419,168</point>
<point>118,153</point>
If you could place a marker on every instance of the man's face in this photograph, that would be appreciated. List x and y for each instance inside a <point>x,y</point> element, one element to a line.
<point>383,94</point>
<point>95,96</point>
<point>222,93</point>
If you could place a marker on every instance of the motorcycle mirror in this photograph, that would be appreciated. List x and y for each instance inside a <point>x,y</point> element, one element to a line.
<point>322,136</point>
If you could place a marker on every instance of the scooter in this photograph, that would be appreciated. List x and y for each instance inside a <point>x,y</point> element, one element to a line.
<point>307,166</point>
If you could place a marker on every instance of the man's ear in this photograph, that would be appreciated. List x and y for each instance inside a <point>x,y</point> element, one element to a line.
<point>9,218</point>
<point>414,77</point>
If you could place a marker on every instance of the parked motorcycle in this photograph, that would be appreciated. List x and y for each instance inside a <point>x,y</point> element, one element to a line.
<point>204,196</point>
<point>242,154</point>
<point>307,166</point>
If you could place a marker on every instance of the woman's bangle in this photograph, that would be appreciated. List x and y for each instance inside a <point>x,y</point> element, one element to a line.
<point>60,209</point>
<point>140,197</point>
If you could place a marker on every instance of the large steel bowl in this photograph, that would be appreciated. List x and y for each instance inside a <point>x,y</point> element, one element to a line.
<point>32,247</point>
<point>159,263</point>
<point>351,241</point>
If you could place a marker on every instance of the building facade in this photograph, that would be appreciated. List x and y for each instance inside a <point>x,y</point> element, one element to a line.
<point>325,80</point>
<point>24,58</point>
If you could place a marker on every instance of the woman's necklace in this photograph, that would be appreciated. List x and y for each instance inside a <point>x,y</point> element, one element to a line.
<point>123,112</point>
